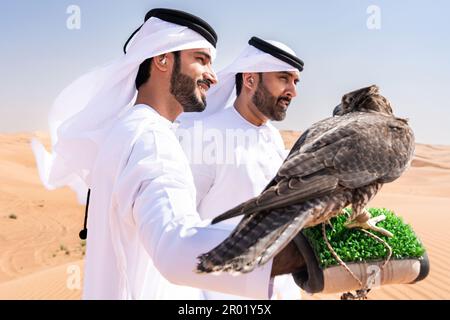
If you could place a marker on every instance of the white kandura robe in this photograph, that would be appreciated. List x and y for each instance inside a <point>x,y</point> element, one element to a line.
<point>234,174</point>
<point>143,227</point>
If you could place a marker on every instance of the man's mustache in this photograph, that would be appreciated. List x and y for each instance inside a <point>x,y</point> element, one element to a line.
<point>206,82</point>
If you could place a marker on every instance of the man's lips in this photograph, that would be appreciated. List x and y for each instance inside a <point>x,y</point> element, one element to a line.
<point>204,85</point>
<point>284,102</point>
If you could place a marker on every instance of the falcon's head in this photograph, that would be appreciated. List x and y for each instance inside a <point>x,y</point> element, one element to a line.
<point>363,100</point>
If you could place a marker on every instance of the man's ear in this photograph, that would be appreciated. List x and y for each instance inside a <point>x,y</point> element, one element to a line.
<point>162,62</point>
<point>250,80</point>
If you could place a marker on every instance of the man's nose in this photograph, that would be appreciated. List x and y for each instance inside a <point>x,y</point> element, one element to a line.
<point>210,75</point>
<point>292,90</point>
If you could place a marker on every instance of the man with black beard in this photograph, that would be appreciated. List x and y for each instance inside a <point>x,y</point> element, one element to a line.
<point>144,231</point>
<point>187,89</point>
<point>270,106</point>
<point>234,150</point>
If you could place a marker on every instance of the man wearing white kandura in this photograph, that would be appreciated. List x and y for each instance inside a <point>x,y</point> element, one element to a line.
<point>233,148</point>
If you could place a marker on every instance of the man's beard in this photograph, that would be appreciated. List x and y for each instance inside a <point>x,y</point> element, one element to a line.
<point>182,87</point>
<point>269,105</point>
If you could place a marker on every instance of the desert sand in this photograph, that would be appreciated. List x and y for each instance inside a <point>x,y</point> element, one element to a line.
<point>41,256</point>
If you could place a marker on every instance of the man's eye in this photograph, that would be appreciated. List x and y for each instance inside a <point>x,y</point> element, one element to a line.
<point>284,78</point>
<point>201,60</point>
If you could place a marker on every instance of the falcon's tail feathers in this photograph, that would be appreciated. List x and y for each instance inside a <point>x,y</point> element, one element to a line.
<point>257,239</point>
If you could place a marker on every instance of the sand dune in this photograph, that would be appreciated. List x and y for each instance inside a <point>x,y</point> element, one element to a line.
<point>40,253</point>
<point>63,282</point>
<point>38,228</point>
<point>432,156</point>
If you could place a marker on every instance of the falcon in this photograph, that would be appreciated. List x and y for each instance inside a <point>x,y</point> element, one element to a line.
<point>339,161</point>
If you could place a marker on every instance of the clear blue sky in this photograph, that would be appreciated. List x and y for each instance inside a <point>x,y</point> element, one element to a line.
<point>408,57</point>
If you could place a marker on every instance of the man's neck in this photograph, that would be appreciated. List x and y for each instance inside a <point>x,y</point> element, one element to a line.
<point>166,105</point>
<point>249,111</point>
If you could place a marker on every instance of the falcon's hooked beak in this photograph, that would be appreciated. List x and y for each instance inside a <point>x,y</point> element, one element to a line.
<point>337,110</point>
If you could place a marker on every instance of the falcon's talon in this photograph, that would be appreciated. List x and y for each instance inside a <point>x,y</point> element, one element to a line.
<point>370,225</point>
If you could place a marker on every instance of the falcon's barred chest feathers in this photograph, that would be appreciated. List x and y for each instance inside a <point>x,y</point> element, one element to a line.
<point>339,161</point>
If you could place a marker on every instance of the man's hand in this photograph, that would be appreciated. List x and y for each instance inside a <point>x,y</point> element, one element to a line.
<point>288,260</point>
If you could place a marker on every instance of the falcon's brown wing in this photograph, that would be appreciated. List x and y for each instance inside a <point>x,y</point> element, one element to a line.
<point>357,152</point>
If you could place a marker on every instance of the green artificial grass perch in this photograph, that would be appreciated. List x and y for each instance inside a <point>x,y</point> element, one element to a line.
<point>353,245</point>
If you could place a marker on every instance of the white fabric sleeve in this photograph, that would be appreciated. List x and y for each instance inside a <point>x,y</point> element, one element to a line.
<point>169,226</point>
